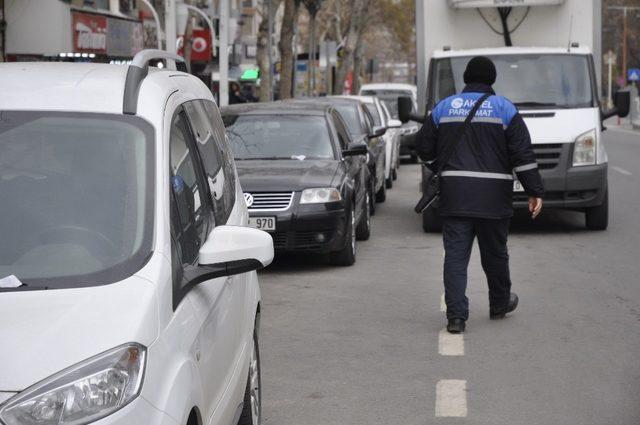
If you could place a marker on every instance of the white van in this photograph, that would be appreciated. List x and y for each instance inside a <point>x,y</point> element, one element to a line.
<point>128,291</point>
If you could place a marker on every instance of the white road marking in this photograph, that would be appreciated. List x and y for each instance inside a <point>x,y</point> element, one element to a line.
<point>443,304</point>
<point>451,398</point>
<point>621,170</point>
<point>450,344</point>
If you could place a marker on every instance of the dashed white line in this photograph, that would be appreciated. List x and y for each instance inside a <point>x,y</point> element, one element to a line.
<point>451,398</point>
<point>443,304</point>
<point>621,170</point>
<point>450,344</point>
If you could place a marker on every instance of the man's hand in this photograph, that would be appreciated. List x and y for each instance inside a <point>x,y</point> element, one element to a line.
<point>535,206</point>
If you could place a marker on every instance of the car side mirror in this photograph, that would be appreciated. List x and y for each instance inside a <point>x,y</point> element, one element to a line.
<point>405,110</point>
<point>377,132</point>
<point>621,105</point>
<point>394,124</point>
<point>355,149</point>
<point>231,250</point>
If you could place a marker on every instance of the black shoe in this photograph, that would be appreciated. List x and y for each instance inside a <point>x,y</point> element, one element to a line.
<point>501,313</point>
<point>455,326</point>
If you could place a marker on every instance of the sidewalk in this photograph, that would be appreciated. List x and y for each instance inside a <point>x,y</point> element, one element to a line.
<point>625,124</point>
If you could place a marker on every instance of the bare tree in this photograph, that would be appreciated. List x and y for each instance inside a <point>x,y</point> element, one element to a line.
<point>287,31</point>
<point>354,33</point>
<point>262,53</point>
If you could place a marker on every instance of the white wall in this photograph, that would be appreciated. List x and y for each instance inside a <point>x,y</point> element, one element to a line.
<point>38,27</point>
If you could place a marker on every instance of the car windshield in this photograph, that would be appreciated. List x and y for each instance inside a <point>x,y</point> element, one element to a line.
<point>371,107</point>
<point>389,98</point>
<point>77,197</point>
<point>530,81</point>
<point>349,113</point>
<point>296,137</point>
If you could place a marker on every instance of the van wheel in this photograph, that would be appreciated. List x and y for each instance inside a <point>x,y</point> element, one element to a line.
<point>347,255</point>
<point>252,406</point>
<point>363,231</point>
<point>431,221</point>
<point>597,218</point>
<point>381,196</point>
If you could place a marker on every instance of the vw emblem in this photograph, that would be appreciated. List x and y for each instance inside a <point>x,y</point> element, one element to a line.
<point>248,199</point>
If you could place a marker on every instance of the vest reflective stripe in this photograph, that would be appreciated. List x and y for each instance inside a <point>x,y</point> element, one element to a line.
<point>477,174</point>
<point>488,120</point>
<point>526,167</point>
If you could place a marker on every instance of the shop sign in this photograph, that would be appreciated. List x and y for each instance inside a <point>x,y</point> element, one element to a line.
<point>89,32</point>
<point>200,45</point>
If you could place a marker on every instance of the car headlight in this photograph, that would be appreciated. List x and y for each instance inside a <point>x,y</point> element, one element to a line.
<point>584,151</point>
<point>320,195</point>
<point>83,393</point>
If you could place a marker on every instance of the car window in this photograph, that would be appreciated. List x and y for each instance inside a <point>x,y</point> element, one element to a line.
<point>368,120</point>
<point>343,133</point>
<point>191,213</point>
<point>350,115</point>
<point>212,158</point>
<point>371,108</point>
<point>228,164</point>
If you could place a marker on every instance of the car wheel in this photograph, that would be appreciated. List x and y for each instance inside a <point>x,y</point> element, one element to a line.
<point>372,198</point>
<point>431,221</point>
<point>347,255</point>
<point>363,231</point>
<point>381,195</point>
<point>414,158</point>
<point>597,218</point>
<point>394,174</point>
<point>252,406</point>
<point>389,182</point>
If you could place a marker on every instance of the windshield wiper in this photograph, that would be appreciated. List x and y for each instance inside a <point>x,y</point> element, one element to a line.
<point>541,104</point>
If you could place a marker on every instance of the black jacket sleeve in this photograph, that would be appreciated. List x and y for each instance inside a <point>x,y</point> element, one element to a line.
<point>426,139</point>
<point>523,159</point>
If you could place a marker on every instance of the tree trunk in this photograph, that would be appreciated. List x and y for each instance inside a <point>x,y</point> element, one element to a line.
<point>2,31</point>
<point>289,20</point>
<point>262,53</point>
<point>357,65</point>
<point>355,28</point>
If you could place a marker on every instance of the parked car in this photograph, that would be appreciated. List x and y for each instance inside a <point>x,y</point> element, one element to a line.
<point>381,118</point>
<point>128,291</point>
<point>360,125</point>
<point>304,178</point>
<point>389,93</point>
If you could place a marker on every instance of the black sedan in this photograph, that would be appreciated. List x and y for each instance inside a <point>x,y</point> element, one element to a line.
<point>360,124</point>
<point>304,179</point>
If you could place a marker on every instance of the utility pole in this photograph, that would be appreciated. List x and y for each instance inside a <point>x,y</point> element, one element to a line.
<point>610,60</point>
<point>170,25</point>
<point>625,35</point>
<point>270,46</point>
<point>3,27</point>
<point>223,27</point>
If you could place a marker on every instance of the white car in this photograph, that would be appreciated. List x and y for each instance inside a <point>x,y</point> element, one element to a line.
<point>382,118</point>
<point>388,94</point>
<point>128,291</point>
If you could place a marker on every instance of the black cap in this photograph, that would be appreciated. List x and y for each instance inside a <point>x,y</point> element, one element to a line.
<point>480,69</point>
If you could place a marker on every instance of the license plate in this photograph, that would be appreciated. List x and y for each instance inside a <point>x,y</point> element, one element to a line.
<point>263,223</point>
<point>517,186</point>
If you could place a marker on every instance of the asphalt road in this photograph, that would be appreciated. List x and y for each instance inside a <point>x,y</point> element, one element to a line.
<point>361,345</point>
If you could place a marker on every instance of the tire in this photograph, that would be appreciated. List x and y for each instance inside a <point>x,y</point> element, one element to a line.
<point>394,174</point>
<point>431,221</point>
<point>597,218</point>
<point>363,231</point>
<point>381,195</point>
<point>389,182</point>
<point>414,158</point>
<point>372,199</point>
<point>252,406</point>
<point>347,255</point>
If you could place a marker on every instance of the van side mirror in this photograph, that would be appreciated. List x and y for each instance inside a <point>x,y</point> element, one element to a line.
<point>231,250</point>
<point>621,105</point>
<point>355,149</point>
<point>405,110</point>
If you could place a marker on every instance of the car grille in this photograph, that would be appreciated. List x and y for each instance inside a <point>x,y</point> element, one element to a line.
<point>275,201</point>
<point>548,155</point>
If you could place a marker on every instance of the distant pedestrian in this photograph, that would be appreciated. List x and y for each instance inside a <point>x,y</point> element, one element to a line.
<point>235,95</point>
<point>477,186</point>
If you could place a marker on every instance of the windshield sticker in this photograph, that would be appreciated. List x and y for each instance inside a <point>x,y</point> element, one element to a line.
<point>10,282</point>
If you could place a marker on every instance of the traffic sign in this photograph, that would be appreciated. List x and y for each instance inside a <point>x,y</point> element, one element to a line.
<point>633,74</point>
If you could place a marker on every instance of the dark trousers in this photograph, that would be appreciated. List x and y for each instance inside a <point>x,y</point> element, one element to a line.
<point>458,234</point>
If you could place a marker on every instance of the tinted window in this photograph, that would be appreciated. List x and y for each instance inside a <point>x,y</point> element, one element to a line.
<point>373,111</point>
<point>343,134</point>
<point>190,217</point>
<point>76,197</point>
<point>279,137</point>
<point>349,113</point>
<point>528,80</point>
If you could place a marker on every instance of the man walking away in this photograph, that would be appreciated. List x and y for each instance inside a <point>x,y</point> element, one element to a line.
<point>477,186</point>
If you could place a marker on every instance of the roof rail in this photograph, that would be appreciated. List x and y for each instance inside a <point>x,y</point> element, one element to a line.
<point>137,72</point>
